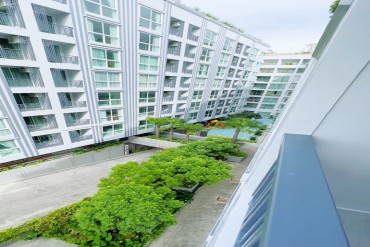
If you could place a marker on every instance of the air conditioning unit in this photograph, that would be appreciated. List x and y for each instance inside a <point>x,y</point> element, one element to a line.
<point>3,3</point>
<point>175,24</point>
<point>14,40</point>
<point>24,70</point>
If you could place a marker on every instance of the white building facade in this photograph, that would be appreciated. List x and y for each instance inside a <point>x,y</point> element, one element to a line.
<point>277,78</point>
<point>75,73</point>
<point>329,109</point>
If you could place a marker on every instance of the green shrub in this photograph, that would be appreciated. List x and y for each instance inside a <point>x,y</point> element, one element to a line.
<point>258,133</point>
<point>253,138</point>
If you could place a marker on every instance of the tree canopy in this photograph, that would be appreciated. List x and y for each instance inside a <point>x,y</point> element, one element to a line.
<point>334,6</point>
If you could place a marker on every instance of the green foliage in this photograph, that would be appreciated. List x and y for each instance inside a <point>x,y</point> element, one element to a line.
<point>7,168</point>
<point>247,114</point>
<point>97,147</point>
<point>258,133</point>
<point>189,127</point>
<point>59,224</point>
<point>158,121</point>
<point>253,138</point>
<point>126,215</point>
<point>334,6</point>
<point>240,124</point>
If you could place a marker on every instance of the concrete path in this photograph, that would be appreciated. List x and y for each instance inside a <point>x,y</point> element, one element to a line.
<point>24,200</point>
<point>196,219</point>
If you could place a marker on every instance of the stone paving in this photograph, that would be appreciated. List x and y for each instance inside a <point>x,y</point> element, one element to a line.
<point>46,193</point>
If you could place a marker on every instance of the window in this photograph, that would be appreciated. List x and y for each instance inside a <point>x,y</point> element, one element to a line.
<point>149,42</point>
<point>239,93</point>
<point>301,70</point>
<point>246,74</point>
<point>220,72</point>
<point>109,99</point>
<point>112,130</point>
<point>102,32</point>
<point>200,83</point>
<point>209,38</point>
<point>218,111</point>
<point>266,78</point>
<point>194,106</point>
<point>148,81</point>
<point>229,43</point>
<point>110,115</point>
<point>105,58</point>
<point>224,59</point>
<point>221,103</point>
<point>251,105</point>
<point>148,63</point>
<point>145,111</point>
<point>270,100</point>
<point>211,104</point>
<point>288,93</point>
<point>281,106</point>
<point>277,86</point>
<point>235,102</point>
<point>8,148</point>
<point>146,97</point>
<point>208,113</point>
<point>3,129</point>
<point>203,69</point>
<point>214,94</point>
<point>197,95</point>
<point>232,109</point>
<point>292,86</point>
<point>145,124</point>
<point>273,93</point>
<point>206,55</point>
<point>102,7</point>
<point>193,116</point>
<point>260,85</point>
<point>107,79</point>
<point>280,79</point>
<point>285,99</point>
<point>296,78</point>
<point>150,19</point>
<point>217,83</point>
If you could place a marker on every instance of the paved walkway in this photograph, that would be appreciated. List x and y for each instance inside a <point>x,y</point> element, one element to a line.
<point>46,193</point>
<point>26,199</point>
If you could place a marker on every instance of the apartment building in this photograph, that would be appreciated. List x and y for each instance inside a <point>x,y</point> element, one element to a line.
<point>276,80</point>
<point>307,184</point>
<point>80,72</point>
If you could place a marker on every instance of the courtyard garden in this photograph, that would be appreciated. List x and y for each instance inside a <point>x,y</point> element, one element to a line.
<point>137,201</point>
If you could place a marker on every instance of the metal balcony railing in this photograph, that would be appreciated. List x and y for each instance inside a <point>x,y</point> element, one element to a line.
<point>51,124</point>
<point>11,54</point>
<point>61,1</point>
<point>72,104</point>
<point>77,122</point>
<point>63,59</point>
<point>175,31</point>
<point>64,83</point>
<point>5,19</point>
<point>169,85</point>
<point>166,111</point>
<point>172,69</point>
<point>81,138</point>
<point>174,51</point>
<point>34,106</point>
<point>193,37</point>
<point>24,82</point>
<point>59,29</point>
<point>168,98</point>
<point>187,71</point>
<point>189,55</point>
<point>56,141</point>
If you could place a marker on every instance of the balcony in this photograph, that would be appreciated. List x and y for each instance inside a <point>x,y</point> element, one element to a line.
<point>39,123</point>
<point>76,119</point>
<point>64,78</point>
<point>47,141</point>
<point>50,21</point>
<point>10,14</point>
<point>183,95</point>
<point>80,135</point>
<point>176,27</point>
<point>32,102</point>
<point>61,1</point>
<point>174,50</point>
<point>192,33</point>
<point>168,96</point>
<point>16,47</point>
<point>166,109</point>
<point>239,48</point>
<point>59,52</point>
<point>71,100</point>
<point>180,108</point>
<point>172,65</point>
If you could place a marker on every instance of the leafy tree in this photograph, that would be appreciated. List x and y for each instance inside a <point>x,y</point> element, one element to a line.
<point>126,215</point>
<point>240,123</point>
<point>172,124</point>
<point>212,147</point>
<point>334,6</point>
<point>189,127</point>
<point>158,121</point>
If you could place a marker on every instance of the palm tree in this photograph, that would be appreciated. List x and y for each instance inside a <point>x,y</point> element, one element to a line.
<point>240,123</point>
<point>188,127</point>
<point>158,121</point>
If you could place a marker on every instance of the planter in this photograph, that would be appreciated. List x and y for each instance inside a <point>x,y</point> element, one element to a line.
<point>234,159</point>
<point>190,190</point>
